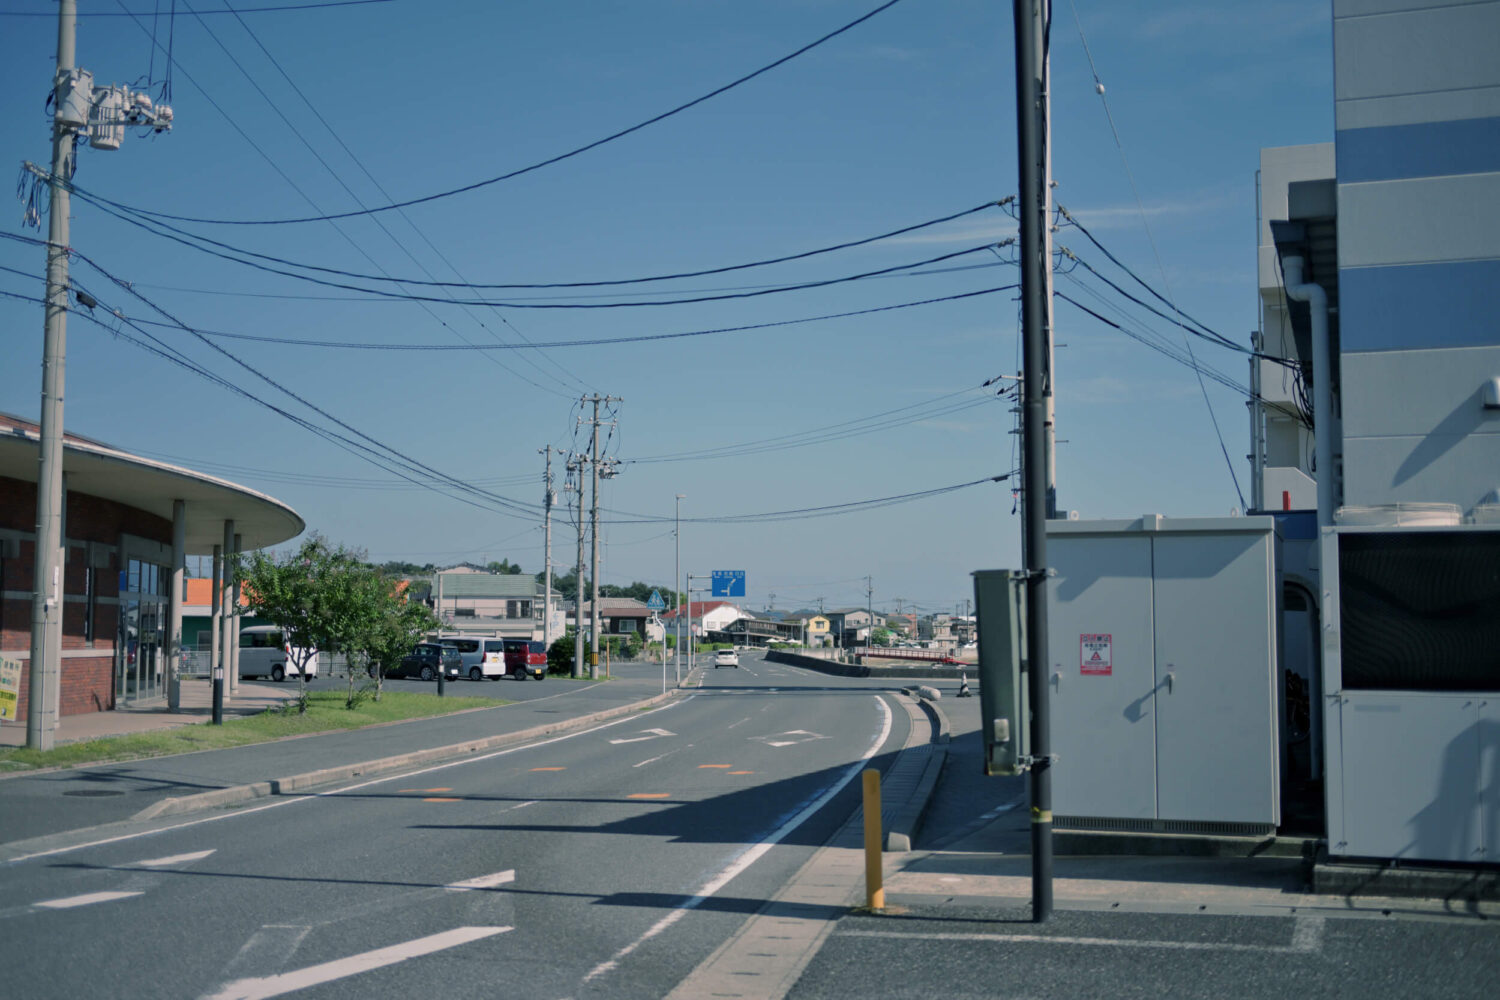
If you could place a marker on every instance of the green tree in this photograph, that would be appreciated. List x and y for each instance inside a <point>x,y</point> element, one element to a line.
<point>880,637</point>
<point>397,627</point>
<point>504,566</point>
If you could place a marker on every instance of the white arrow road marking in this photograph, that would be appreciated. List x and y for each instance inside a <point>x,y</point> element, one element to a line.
<point>789,738</point>
<point>313,975</point>
<point>651,735</point>
<point>483,881</point>
<point>176,859</point>
<point>68,902</point>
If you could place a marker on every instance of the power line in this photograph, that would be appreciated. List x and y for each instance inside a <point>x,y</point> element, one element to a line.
<point>541,163</point>
<point>284,8</point>
<point>591,341</point>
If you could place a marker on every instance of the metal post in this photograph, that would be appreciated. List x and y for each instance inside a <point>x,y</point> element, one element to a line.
<point>226,620</point>
<point>1030,113</point>
<point>174,610</point>
<point>215,645</point>
<point>676,596</point>
<point>547,570</point>
<point>46,577</point>
<point>234,621</point>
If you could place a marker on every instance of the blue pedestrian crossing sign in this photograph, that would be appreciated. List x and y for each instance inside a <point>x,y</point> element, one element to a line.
<point>729,583</point>
<point>656,603</point>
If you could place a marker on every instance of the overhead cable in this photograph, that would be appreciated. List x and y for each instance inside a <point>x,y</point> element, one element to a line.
<point>541,163</point>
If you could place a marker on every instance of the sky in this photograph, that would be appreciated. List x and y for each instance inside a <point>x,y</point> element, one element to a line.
<point>758,399</point>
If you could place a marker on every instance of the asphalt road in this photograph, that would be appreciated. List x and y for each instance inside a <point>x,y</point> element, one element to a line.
<point>604,863</point>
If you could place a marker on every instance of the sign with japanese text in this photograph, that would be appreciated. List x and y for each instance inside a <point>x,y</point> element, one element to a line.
<point>1095,653</point>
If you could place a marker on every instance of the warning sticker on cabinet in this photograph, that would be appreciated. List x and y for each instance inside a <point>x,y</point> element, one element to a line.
<point>1094,653</point>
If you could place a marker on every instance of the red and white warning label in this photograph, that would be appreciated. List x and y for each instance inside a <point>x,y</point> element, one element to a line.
<point>1095,653</point>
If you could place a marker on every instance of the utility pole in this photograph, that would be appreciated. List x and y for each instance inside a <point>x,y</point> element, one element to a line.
<point>1031,114</point>
<point>676,594</point>
<point>596,399</point>
<point>547,501</point>
<point>42,706</point>
<point>575,468</point>
<point>870,610</point>
<point>102,114</point>
<point>1050,359</point>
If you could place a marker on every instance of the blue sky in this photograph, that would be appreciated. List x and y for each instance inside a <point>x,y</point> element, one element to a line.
<point>905,118</point>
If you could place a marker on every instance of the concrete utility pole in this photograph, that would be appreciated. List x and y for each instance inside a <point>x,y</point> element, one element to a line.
<point>676,594</point>
<point>547,502</point>
<point>1031,114</point>
<point>575,466</point>
<point>870,610</point>
<point>45,666</point>
<point>596,399</point>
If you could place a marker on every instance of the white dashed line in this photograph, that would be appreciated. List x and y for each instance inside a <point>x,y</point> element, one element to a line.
<point>87,899</point>
<point>175,859</point>
<point>483,881</point>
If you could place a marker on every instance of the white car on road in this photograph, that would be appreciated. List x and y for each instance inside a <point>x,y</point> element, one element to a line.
<point>726,658</point>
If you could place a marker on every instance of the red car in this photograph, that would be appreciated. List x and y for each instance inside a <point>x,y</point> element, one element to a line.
<point>525,657</point>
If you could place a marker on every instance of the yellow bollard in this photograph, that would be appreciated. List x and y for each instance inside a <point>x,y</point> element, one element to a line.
<point>874,877</point>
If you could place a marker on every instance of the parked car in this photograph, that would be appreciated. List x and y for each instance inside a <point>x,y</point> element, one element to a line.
<point>726,658</point>
<point>525,657</point>
<point>426,661</point>
<point>476,650</point>
<point>264,653</point>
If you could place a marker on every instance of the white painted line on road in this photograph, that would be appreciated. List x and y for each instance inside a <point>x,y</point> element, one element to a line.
<point>483,881</point>
<point>175,859</point>
<point>1307,938</point>
<point>68,902</point>
<point>271,947</point>
<point>653,760</point>
<point>651,734</point>
<point>316,796</point>
<point>753,852</point>
<point>313,975</point>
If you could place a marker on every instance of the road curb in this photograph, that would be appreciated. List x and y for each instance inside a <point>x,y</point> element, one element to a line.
<point>236,794</point>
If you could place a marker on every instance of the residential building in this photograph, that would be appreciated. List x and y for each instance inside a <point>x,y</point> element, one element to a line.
<point>706,616</point>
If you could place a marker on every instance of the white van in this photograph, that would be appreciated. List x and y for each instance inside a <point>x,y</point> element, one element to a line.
<point>483,655</point>
<point>264,653</point>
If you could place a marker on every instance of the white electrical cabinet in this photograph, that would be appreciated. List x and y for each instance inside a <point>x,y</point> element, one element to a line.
<point>1162,635</point>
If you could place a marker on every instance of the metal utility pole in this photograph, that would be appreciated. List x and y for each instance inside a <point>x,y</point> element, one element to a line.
<point>575,466</point>
<point>676,595</point>
<point>1031,114</point>
<point>547,501</point>
<point>47,589</point>
<point>1050,357</point>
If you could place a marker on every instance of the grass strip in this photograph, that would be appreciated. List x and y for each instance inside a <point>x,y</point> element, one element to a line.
<point>325,713</point>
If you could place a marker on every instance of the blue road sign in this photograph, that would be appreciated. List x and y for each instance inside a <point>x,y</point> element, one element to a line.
<point>729,583</point>
<point>656,603</point>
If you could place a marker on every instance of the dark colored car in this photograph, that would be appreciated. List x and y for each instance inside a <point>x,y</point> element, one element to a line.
<point>525,657</point>
<point>426,660</point>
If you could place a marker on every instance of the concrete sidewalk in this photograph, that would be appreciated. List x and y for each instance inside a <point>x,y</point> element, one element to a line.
<point>195,708</point>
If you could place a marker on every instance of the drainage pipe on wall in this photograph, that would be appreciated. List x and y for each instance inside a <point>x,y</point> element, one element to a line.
<point>1323,420</point>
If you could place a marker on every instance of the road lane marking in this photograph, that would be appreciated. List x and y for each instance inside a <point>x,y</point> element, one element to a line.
<point>68,902</point>
<point>175,859</point>
<point>651,734</point>
<point>549,769</point>
<point>661,756</point>
<point>649,795</point>
<point>483,881</point>
<point>741,772</point>
<point>314,975</point>
<point>404,791</point>
<point>753,852</point>
<point>271,947</point>
<point>1307,938</point>
<point>724,767</point>
<point>335,792</point>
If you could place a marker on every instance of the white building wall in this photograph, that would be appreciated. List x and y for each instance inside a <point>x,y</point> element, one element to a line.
<point>1417,107</point>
